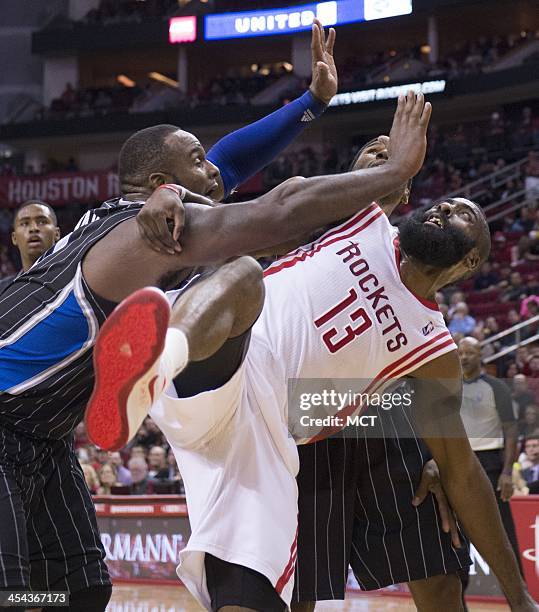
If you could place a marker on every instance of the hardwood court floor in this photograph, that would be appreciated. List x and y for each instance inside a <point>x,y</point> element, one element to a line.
<point>142,598</point>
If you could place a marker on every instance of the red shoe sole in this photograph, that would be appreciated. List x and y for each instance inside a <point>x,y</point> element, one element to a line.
<point>128,344</point>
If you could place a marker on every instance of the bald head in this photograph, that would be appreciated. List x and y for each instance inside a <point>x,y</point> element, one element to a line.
<point>470,357</point>
<point>166,154</point>
<point>144,153</point>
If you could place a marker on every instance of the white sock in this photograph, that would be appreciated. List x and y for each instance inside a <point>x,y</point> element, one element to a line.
<point>175,355</point>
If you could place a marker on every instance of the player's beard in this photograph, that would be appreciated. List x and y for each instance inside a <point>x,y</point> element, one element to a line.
<point>432,246</point>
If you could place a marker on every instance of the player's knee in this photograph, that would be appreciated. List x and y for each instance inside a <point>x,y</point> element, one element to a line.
<point>248,287</point>
<point>432,592</point>
<point>249,281</point>
<point>250,272</point>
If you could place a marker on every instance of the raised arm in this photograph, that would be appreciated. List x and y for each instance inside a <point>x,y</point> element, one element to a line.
<point>300,206</point>
<point>246,151</point>
<point>436,411</point>
<point>214,234</point>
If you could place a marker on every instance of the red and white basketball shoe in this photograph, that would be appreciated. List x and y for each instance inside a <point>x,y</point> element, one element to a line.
<point>129,369</point>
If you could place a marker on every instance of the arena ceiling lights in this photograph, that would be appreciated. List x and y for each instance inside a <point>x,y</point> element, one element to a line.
<point>299,18</point>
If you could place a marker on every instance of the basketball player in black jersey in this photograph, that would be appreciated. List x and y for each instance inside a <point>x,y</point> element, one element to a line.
<point>50,315</point>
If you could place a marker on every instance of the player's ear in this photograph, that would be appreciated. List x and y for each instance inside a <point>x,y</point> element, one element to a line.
<point>157,179</point>
<point>13,238</point>
<point>405,195</point>
<point>56,234</point>
<point>472,259</point>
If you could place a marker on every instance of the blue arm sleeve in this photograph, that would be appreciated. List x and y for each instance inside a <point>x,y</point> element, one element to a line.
<point>246,151</point>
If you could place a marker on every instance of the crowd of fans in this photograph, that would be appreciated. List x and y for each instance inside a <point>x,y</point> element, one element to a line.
<point>146,467</point>
<point>239,87</point>
<point>456,156</point>
<point>7,168</point>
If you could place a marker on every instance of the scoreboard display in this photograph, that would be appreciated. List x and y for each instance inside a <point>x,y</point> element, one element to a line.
<point>270,22</point>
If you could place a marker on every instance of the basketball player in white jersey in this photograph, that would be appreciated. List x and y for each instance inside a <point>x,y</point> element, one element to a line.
<point>356,302</point>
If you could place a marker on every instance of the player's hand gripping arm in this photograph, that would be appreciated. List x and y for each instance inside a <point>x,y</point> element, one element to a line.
<point>300,206</point>
<point>436,410</point>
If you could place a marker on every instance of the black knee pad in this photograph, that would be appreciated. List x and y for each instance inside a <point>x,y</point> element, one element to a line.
<point>92,599</point>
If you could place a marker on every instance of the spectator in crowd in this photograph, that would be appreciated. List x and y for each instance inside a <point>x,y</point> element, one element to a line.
<point>80,438</point>
<point>108,479</point>
<point>490,328</point>
<point>123,475</point>
<point>511,370</point>
<point>529,307</point>
<point>522,396</point>
<point>82,455</point>
<point>35,230</point>
<point>456,298</point>
<point>528,247</point>
<point>516,289</point>
<point>531,182</point>
<point>533,375</point>
<point>530,422</point>
<point>149,434</point>
<point>531,472</point>
<point>141,484</point>
<point>157,463</point>
<point>521,358</point>
<point>487,278</point>
<point>526,220</point>
<point>461,322</point>
<point>138,452</point>
<point>90,475</point>
<point>173,470</point>
<point>100,457</point>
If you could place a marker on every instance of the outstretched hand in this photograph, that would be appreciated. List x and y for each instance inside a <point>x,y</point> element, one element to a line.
<point>408,137</point>
<point>325,81</point>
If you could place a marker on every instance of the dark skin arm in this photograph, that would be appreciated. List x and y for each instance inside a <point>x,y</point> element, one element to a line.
<point>437,406</point>
<point>299,206</point>
<point>287,213</point>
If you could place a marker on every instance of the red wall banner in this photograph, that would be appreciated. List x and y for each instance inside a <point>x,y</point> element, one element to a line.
<point>525,512</point>
<point>143,537</point>
<point>59,189</point>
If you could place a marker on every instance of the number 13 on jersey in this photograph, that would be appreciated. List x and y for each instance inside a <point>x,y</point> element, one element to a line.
<point>337,338</point>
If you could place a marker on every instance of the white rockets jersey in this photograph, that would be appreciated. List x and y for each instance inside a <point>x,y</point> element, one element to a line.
<point>338,309</point>
<point>335,308</point>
